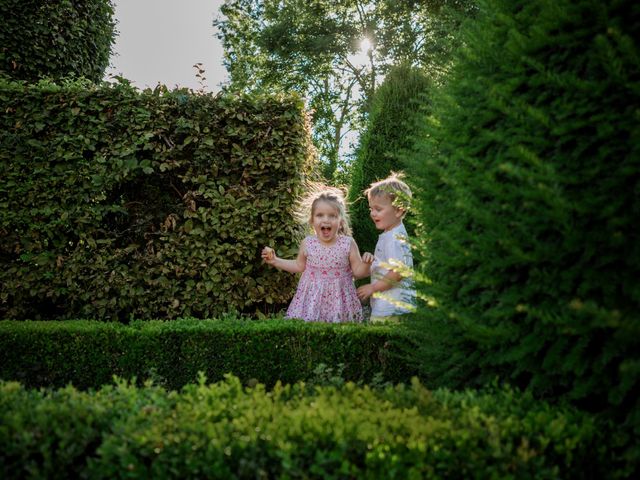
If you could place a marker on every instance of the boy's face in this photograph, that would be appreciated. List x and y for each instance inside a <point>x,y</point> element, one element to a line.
<point>383,213</point>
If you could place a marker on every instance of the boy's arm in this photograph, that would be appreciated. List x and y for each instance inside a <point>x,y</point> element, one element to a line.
<point>360,265</point>
<point>396,250</point>
<point>390,280</point>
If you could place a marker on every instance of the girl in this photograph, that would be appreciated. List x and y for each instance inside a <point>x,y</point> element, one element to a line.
<point>328,261</point>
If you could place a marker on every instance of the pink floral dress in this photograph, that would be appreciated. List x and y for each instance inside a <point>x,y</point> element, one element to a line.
<point>326,292</point>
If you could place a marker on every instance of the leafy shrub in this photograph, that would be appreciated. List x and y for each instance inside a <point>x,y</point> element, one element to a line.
<point>154,204</point>
<point>223,430</point>
<point>88,354</point>
<point>388,134</point>
<point>529,170</point>
<point>55,38</point>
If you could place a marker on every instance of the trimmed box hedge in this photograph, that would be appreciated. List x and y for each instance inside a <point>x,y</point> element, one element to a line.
<point>226,431</point>
<point>88,353</point>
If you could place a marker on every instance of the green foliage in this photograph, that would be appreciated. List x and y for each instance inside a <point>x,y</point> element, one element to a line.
<point>389,134</point>
<point>223,430</point>
<point>529,173</point>
<point>89,353</point>
<point>154,204</point>
<point>55,39</point>
<point>313,48</point>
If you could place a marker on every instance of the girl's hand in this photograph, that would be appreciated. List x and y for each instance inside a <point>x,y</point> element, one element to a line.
<point>268,255</point>
<point>368,257</point>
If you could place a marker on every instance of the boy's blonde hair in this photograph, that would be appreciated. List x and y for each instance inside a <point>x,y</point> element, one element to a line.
<point>323,193</point>
<point>394,188</point>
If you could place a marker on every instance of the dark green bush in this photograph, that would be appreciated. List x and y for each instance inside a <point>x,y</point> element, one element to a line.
<point>387,136</point>
<point>55,38</point>
<point>154,204</point>
<point>529,173</point>
<point>226,431</point>
<point>88,354</point>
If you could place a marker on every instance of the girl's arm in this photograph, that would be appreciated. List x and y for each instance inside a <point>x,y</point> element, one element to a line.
<point>360,266</point>
<point>292,266</point>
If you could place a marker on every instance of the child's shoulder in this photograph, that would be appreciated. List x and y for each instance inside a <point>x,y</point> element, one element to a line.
<point>400,230</point>
<point>398,234</point>
<point>347,239</point>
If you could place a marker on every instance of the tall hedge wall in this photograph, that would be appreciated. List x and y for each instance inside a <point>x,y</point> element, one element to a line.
<point>117,203</point>
<point>55,38</point>
<point>529,169</point>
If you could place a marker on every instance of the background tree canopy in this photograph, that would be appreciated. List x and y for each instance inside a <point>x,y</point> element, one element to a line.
<point>314,47</point>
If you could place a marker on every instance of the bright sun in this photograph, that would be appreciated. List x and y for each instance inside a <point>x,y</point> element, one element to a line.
<point>365,45</point>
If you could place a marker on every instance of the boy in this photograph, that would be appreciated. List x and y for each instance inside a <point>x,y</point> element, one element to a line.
<point>391,293</point>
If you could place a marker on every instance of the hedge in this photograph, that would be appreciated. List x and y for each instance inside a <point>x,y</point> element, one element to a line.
<point>118,203</point>
<point>226,431</point>
<point>56,38</point>
<point>89,353</point>
<point>528,173</point>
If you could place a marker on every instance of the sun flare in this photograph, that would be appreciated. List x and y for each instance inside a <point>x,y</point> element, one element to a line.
<point>365,45</point>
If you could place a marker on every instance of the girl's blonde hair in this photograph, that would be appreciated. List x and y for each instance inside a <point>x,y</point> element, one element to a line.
<point>319,192</point>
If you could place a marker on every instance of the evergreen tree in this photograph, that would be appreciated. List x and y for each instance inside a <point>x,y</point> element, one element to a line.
<point>56,38</point>
<point>388,135</point>
<point>529,177</point>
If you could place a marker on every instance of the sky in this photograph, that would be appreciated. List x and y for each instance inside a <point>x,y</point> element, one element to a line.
<point>159,41</point>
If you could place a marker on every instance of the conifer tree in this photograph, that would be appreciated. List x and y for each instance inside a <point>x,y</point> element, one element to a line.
<point>529,173</point>
<point>56,38</point>
<point>388,135</point>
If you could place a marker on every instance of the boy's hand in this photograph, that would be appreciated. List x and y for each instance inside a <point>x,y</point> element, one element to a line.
<point>365,291</point>
<point>268,255</point>
<point>368,257</point>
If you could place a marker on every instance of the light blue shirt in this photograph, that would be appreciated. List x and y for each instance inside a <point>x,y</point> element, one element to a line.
<point>393,249</point>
